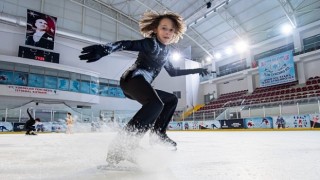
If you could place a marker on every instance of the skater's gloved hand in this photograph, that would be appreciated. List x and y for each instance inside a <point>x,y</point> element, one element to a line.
<point>95,52</point>
<point>202,71</point>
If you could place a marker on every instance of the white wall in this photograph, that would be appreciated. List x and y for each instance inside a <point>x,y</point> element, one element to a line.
<point>110,67</point>
<point>308,65</point>
<point>188,85</point>
<point>233,86</point>
<point>114,65</point>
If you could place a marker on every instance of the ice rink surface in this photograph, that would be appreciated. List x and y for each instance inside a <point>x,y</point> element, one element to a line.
<point>200,155</point>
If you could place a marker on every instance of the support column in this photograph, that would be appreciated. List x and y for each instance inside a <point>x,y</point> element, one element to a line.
<point>301,75</point>
<point>249,83</point>
<point>297,41</point>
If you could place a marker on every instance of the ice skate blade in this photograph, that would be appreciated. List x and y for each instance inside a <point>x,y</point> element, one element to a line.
<point>173,148</point>
<point>109,167</point>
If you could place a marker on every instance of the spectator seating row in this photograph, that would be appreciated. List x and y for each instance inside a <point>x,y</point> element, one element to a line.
<point>278,93</point>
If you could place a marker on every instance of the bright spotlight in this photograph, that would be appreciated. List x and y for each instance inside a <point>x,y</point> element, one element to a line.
<point>176,56</point>
<point>228,50</point>
<point>208,59</point>
<point>286,29</point>
<point>241,46</point>
<point>217,55</point>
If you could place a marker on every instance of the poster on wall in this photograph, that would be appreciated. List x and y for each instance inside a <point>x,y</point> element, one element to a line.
<point>94,88</point>
<point>85,87</point>
<point>20,78</point>
<point>41,29</point>
<point>6,77</point>
<point>277,69</point>
<point>50,82</point>
<point>36,80</point>
<point>63,84</point>
<point>74,85</point>
<point>104,90</point>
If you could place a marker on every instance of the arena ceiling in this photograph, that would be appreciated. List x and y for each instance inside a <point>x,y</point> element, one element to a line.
<point>214,25</point>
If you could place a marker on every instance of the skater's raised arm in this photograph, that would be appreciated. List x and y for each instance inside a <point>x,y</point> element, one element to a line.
<point>172,71</point>
<point>30,116</point>
<point>95,52</point>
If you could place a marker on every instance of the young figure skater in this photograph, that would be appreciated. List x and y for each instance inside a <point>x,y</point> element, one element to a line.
<point>69,123</point>
<point>158,106</point>
<point>29,126</point>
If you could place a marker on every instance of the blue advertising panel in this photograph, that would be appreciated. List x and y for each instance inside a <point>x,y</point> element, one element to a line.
<point>63,84</point>
<point>113,91</point>
<point>175,125</point>
<point>94,88</point>
<point>103,90</point>
<point>85,87</point>
<point>258,122</point>
<point>212,124</point>
<point>6,126</point>
<point>20,78</point>
<point>74,85</point>
<point>51,82</point>
<point>6,77</point>
<point>36,80</point>
<point>277,69</point>
<point>120,93</point>
<point>291,121</point>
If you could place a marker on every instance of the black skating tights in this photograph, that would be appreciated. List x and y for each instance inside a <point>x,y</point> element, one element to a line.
<point>157,106</point>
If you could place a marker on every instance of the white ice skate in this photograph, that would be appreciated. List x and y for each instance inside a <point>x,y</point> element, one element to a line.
<point>162,139</point>
<point>121,154</point>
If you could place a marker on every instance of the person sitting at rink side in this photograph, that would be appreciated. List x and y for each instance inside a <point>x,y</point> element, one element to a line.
<point>29,126</point>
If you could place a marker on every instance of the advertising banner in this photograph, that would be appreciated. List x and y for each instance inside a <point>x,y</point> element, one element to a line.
<point>212,124</point>
<point>258,122</point>
<point>18,126</point>
<point>6,126</point>
<point>232,124</point>
<point>6,77</point>
<point>314,120</point>
<point>291,121</point>
<point>175,125</point>
<point>32,90</point>
<point>277,69</point>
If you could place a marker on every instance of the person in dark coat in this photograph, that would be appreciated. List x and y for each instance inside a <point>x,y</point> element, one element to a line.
<point>29,126</point>
<point>40,37</point>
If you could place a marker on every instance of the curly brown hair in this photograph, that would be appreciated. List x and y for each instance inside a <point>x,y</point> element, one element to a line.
<point>151,21</point>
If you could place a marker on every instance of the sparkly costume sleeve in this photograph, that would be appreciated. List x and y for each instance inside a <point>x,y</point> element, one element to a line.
<point>172,71</point>
<point>138,45</point>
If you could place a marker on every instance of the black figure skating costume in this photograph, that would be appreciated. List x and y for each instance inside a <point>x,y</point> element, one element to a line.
<point>29,126</point>
<point>157,106</point>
